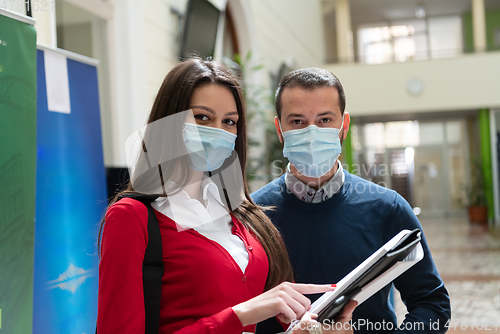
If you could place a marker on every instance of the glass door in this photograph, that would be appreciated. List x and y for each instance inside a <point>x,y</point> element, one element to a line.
<point>429,181</point>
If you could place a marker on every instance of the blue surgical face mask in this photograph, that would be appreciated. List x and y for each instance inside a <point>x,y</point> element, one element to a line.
<point>312,150</point>
<point>207,147</point>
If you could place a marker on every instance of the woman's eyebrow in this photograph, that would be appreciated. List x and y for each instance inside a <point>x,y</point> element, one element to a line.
<point>210,110</point>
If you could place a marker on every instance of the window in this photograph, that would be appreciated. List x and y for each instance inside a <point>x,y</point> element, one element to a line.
<point>405,40</point>
<point>384,44</point>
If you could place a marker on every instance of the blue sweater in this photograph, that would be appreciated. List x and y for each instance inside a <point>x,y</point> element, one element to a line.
<point>327,240</point>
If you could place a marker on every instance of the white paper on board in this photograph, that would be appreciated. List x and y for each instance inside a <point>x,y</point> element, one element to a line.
<point>56,79</point>
<point>391,274</point>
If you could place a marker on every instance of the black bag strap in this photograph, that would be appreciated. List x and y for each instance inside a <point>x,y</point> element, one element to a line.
<point>152,266</point>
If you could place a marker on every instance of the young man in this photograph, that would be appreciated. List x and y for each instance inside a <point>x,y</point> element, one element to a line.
<point>331,220</point>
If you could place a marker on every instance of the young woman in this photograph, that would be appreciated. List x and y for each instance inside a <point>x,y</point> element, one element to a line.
<point>224,261</point>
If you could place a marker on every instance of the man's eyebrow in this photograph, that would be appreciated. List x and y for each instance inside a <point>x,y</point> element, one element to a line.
<point>295,115</point>
<point>210,110</point>
<point>327,113</point>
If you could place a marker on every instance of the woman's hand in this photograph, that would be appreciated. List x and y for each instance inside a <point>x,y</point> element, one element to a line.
<point>308,325</point>
<point>287,301</point>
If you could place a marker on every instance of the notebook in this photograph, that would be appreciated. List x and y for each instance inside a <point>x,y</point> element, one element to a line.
<point>381,268</point>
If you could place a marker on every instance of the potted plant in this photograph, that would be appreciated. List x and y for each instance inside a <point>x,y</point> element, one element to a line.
<point>475,196</point>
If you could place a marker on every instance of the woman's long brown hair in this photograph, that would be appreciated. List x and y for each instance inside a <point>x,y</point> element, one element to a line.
<point>173,97</point>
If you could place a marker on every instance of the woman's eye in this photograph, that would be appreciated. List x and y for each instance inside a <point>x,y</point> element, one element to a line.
<point>230,122</point>
<point>202,117</point>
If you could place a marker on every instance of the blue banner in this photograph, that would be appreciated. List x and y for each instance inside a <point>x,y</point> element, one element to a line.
<point>70,197</point>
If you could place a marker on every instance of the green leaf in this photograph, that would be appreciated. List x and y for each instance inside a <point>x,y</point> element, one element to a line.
<point>258,67</point>
<point>237,59</point>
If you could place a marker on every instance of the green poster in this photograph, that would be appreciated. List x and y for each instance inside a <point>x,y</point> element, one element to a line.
<point>17,173</point>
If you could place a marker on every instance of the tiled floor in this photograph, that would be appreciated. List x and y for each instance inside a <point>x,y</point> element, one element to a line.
<point>468,259</point>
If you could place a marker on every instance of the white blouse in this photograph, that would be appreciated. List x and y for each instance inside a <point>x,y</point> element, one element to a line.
<point>210,218</point>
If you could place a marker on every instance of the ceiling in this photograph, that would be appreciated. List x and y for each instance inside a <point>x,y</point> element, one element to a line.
<point>372,11</point>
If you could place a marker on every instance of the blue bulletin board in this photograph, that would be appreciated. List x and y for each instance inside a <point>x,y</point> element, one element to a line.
<point>71,195</point>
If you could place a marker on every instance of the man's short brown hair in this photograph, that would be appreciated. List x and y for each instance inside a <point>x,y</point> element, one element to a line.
<point>310,78</point>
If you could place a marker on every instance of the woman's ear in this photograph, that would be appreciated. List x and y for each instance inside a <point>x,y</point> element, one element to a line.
<point>278,128</point>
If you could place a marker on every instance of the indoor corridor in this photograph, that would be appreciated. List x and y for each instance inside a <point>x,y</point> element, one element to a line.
<point>468,259</point>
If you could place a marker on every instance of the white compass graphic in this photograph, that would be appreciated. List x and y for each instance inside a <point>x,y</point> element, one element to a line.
<point>71,279</point>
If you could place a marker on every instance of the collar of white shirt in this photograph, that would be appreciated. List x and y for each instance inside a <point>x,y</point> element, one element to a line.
<point>211,220</point>
<point>191,213</point>
<point>310,195</point>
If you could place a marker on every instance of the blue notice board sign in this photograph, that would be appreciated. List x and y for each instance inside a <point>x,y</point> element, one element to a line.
<point>70,197</point>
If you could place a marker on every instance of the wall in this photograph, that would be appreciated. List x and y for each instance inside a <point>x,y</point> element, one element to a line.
<point>290,31</point>
<point>160,42</point>
<point>144,52</point>
<point>462,83</point>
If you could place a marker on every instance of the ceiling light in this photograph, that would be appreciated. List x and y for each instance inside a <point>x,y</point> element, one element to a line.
<point>420,11</point>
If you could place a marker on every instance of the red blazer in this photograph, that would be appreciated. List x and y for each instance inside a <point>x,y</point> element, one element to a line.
<point>200,284</point>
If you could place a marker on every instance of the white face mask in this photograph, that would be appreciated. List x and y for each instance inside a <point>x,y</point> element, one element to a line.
<point>207,147</point>
<point>312,150</point>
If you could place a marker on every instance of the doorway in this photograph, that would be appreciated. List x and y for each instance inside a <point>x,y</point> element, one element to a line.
<point>429,181</point>
<point>425,162</point>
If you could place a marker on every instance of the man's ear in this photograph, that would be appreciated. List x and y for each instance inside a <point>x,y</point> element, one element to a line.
<point>347,121</point>
<point>278,129</point>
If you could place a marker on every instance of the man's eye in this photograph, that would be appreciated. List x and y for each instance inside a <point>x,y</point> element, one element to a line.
<point>201,117</point>
<point>325,120</point>
<point>296,121</point>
